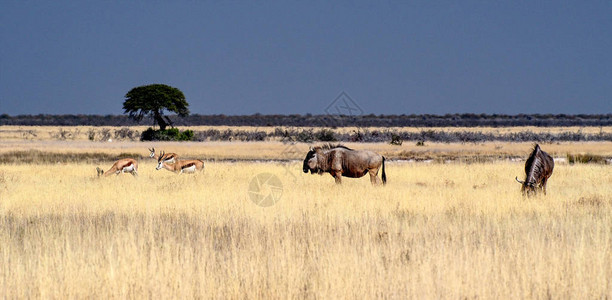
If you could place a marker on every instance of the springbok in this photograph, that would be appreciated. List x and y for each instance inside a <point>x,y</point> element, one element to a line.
<point>168,157</point>
<point>180,166</point>
<point>125,165</point>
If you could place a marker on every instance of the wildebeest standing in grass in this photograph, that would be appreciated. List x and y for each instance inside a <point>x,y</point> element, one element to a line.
<point>341,161</point>
<point>538,168</point>
<point>125,165</point>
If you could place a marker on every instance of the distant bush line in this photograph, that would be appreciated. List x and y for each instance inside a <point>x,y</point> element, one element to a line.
<point>395,136</point>
<point>310,135</point>
<point>308,120</point>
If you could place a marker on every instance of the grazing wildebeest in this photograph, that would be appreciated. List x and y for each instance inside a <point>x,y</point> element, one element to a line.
<point>538,168</point>
<point>339,161</point>
<point>125,165</point>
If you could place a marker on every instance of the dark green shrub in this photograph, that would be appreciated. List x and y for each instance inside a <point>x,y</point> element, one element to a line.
<point>148,135</point>
<point>172,134</point>
<point>186,135</point>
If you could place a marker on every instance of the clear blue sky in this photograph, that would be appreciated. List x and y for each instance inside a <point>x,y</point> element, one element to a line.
<point>286,57</point>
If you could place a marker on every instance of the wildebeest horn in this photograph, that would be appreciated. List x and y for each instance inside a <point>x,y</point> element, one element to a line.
<point>521,182</point>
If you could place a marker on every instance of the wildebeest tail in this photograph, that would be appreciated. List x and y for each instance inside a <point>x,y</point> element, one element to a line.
<point>384,175</point>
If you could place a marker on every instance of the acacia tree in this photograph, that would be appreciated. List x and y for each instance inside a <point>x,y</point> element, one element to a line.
<point>152,100</point>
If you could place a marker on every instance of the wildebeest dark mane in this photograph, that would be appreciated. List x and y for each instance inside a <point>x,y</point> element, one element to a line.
<point>330,146</point>
<point>534,166</point>
<point>327,160</point>
<point>538,168</point>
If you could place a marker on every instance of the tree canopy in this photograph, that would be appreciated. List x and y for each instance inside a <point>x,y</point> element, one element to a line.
<point>152,100</point>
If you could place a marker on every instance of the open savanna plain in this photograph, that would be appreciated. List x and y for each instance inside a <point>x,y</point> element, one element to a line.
<point>446,225</point>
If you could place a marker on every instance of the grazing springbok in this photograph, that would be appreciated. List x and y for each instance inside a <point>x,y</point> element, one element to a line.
<point>538,169</point>
<point>125,165</point>
<point>168,157</point>
<point>180,166</point>
<point>341,161</point>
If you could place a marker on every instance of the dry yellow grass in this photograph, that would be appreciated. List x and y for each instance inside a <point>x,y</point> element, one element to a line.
<point>435,231</point>
<point>80,133</point>
<point>280,151</point>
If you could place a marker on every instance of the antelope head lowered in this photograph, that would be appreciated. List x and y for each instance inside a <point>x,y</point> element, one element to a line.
<point>180,166</point>
<point>126,165</point>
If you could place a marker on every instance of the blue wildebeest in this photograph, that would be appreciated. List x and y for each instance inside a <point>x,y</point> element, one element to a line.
<point>339,161</point>
<point>538,168</point>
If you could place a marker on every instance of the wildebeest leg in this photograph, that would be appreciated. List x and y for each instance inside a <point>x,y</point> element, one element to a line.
<point>374,177</point>
<point>338,176</point>
<point>544,185</point>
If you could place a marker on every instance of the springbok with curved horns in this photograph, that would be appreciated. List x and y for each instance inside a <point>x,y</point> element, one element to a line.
<point>180,166</point>
<point>168,157</point>
<point>125,165</point>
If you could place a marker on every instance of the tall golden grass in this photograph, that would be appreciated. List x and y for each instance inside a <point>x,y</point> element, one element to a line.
<point>281,151</point>
<point>435,231</point>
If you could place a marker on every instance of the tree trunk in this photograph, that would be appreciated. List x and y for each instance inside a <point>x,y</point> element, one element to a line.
<point>169,121</point>
<point>160,121</point>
